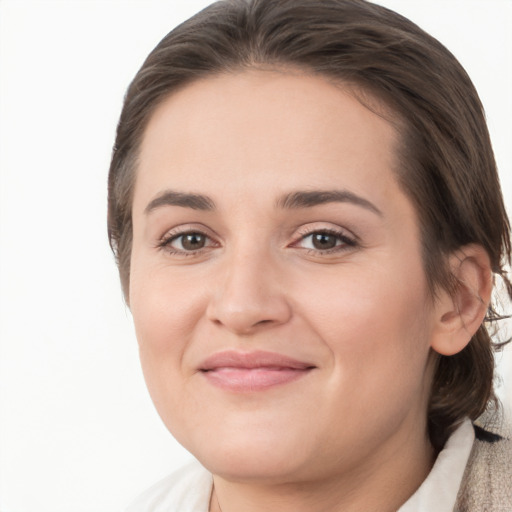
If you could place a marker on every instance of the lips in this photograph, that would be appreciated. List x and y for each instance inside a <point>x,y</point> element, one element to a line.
<point>252,371</point>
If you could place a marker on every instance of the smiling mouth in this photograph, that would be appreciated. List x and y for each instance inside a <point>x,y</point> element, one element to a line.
<point>244,372</point>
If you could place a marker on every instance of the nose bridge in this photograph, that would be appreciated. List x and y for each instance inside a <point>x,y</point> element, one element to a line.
<point>248,294</point>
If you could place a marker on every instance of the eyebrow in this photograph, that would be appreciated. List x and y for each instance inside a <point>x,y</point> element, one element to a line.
<point>308,199</point>
<point>293,200</point>
<point>172,198</point>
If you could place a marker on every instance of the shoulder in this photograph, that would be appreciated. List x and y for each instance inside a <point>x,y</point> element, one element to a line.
<point>486,482</point>
<point>187,490</point>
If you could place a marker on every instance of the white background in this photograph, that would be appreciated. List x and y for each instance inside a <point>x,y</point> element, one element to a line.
<point>78,431</point>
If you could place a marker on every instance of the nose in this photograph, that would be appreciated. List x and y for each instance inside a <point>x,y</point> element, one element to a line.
<point>248,296</point>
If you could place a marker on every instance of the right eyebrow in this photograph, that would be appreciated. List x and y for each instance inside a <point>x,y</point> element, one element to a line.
<point>173,198</point>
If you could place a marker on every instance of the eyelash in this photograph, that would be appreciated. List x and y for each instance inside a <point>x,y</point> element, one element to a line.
<point>168,238</point>
<point>347,242</point>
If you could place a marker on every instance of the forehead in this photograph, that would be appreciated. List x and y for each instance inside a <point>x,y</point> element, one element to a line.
<point>257,127</point>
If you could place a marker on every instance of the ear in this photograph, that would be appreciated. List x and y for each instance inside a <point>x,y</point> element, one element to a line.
<point>459,314</point>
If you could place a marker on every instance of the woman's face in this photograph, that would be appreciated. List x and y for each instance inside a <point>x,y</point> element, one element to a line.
<point>276,284</point>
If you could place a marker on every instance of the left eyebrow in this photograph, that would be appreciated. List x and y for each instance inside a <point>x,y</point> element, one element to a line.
<point>308,199</point>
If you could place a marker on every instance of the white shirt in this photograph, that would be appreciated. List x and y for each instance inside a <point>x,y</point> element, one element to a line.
<point>438,492</point>
<point>189,488</point>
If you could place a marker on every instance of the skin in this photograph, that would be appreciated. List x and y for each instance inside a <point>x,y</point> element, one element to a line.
<point>351,434</point>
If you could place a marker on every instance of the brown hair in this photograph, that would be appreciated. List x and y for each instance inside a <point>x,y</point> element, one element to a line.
<point>447,166</point>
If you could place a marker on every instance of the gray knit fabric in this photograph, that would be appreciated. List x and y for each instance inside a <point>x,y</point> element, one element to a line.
<point>487,481</point>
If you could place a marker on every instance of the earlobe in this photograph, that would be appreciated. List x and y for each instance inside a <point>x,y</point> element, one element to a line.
<point>460,313</point>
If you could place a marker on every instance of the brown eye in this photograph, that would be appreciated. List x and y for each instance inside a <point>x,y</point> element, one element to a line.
<point>187,242</point>
<point>326,241</point>
<point>323,241</point>
<point>191,241</point>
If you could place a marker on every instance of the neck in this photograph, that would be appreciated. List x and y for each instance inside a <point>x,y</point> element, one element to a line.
<point>381,483</point>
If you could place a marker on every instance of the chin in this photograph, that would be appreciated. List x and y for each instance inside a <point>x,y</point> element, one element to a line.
<point>254,465</point>
<point>252,454</point>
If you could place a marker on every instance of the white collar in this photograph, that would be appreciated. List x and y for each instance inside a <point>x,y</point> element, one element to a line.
<point>439,490</point>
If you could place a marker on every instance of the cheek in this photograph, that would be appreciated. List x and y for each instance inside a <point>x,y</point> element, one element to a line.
<point>165,312</point>
<point>377,332</point>
<point>166,316</point>
<point>374,321</point>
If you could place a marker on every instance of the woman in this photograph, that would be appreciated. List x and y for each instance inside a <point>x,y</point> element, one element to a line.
<point>305,210</point>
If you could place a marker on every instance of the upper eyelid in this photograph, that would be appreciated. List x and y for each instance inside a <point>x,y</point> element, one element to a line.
<point>183,229</point>
<point>304,231</point>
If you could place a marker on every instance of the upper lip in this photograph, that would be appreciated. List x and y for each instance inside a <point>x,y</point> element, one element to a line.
<point>249,360</point>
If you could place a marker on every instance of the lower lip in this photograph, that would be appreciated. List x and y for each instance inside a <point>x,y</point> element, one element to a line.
<point>246,380</point>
